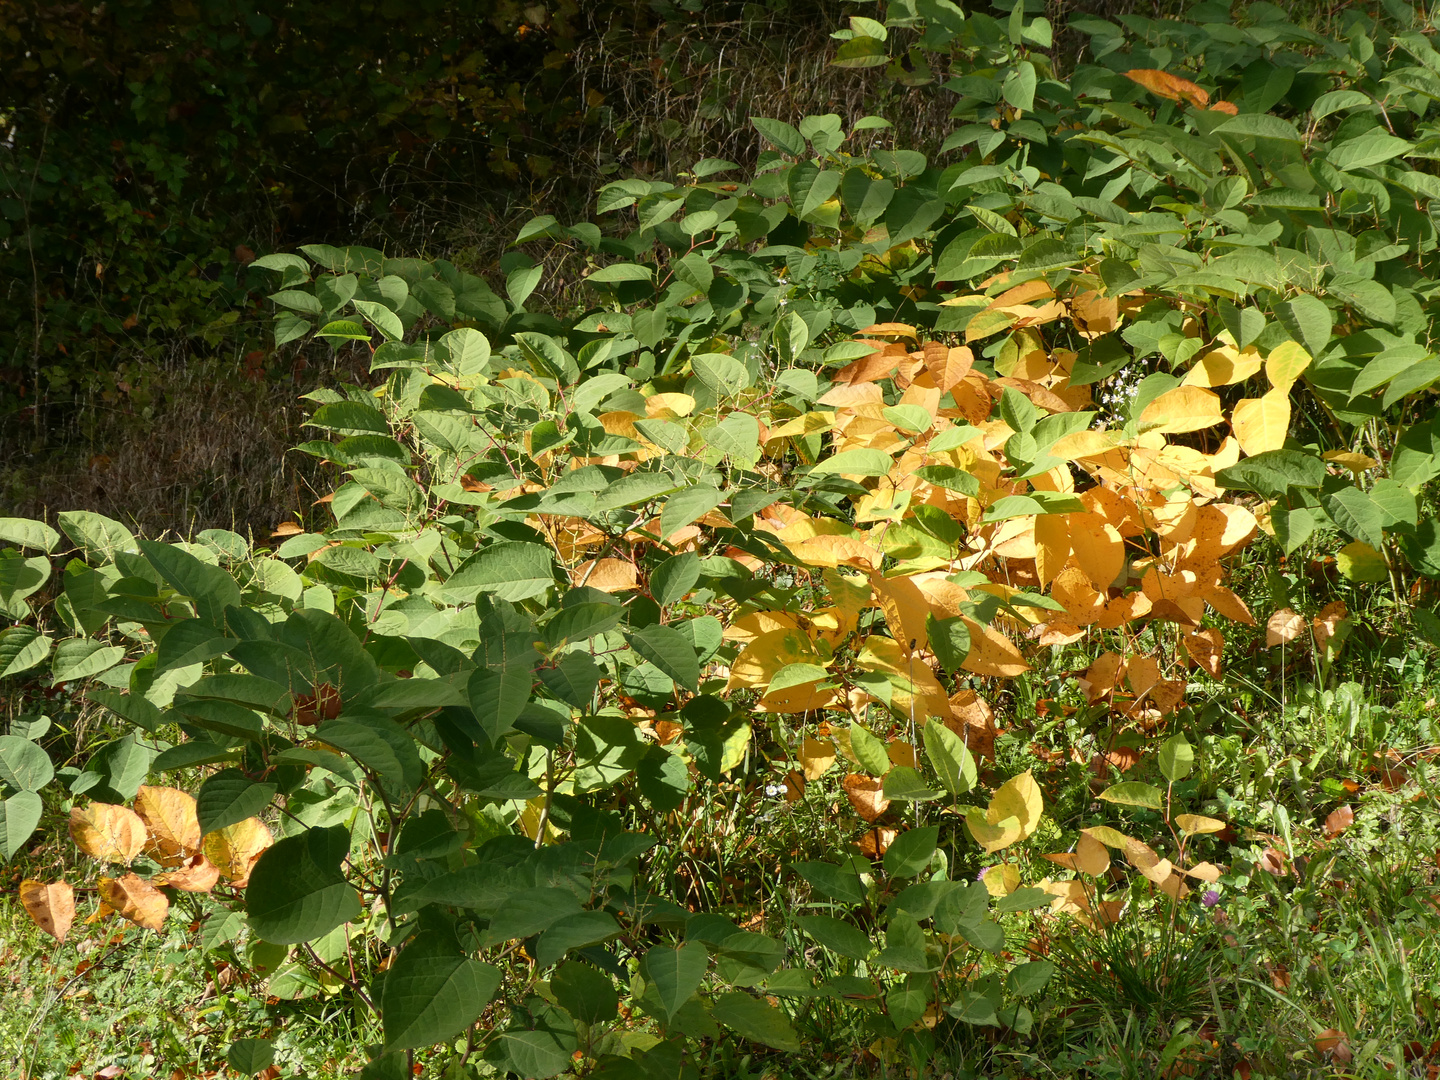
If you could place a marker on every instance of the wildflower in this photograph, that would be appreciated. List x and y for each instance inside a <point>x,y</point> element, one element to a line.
<point>981,875</point>
<point>1210,898</point>
<point>774,790</point>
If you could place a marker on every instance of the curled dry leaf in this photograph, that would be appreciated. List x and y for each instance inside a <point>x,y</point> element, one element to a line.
<point>865,795</point>
<point>1205,648</point>
<point>1331,1041</point>
<point>795,785</point>
<point>1282,627</point>
<point>136,899</point>
<point>235,848</point>
<point>114,834</point>
<point>816,757</point>
<point>52,906</point>
<point>197,874</point>
<point>1171,87</point>
<point>170,821</point>
<point>1338,820</point>
<point>1272,862</point>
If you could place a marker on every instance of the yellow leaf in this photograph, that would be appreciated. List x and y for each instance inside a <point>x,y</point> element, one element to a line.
<point>992,653</point>
<point>1052,546</point>
<point>990,836</point>
<point>669,406</point>
<point>1093,858</point>
<point>1204,871</point>
<point>136,899</point>
<point>607,575</point>
<point>1084,444</point>
<point>1205,648</point>
<point>901,752</point>
<point>169,817</point>
<point>1001,880</point>
<point>52,906</point>
<point>1261,424</point>
<point>1099,549</point>
<point>1018,798</point>
<point>114,834</point>
<point>816,757</point>
<point>759,661</point>
<point>235,848</point>
<point>1112,838</point>
<point>800,426</point>
<point>1359,561</point>
<point>1186,408</point>
<point>1224,366</point>
<point>1285,363</point>
<point>905,609</point>
<point>1145,859</point>
<point>1198,824</point>
<point>1356,463</point>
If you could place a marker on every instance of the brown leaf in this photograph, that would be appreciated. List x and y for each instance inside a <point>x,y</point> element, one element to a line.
<point>1338,820</point>
<point>136,899</point>
<point>169,817</point>
<point>1205,648</point>
<point>314,709</point>
<point>795,785</point>
<point>235,848</point>
<point>198,875</point>
<point>52,906</point>
<point>114,834</point>
<point>865,795</point>
<point>1284,626</point>
<point>1332,1041</point>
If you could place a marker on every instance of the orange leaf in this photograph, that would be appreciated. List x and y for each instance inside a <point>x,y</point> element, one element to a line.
<point>109,833</point>
<point>1229,109</point>
<point>1171,87</point>
<point>52,906</point>
<point>1327,624</point>
<point>169,816</point>
<point>136,899</point>
<point>198,875</point>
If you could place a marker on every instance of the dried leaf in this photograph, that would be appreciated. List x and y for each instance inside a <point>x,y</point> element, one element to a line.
<point>136,899</point>
<point>1205,648</point>
<point>1327,624</point>
<point>113,834</point>
<point>1272,862</point>
<point>1338,820</point>
<point>876,841</point>
<point>52,906</point>
<point>1102,675</point>
<point>169,817</point>
<point>1147,860</point>
<point>1171,87</point>
<point>235,848</point>
<point>1284,626</point>
<point>866,795</point>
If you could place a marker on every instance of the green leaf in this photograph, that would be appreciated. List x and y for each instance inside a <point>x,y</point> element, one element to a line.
<point>380,745</point>
<point>433,992</point>
<point>663,778</point>
<point>911,851</point>
<point>25,533</point>
<point>673,579</point>
<point>1371,147</point>
<point>297,891</point>
<point>861,461</point>
<point>755,1020</point>
<point>19,815</point>
<point>676,973</point>
<point>381,317</point>
<point>212,589</point>
<point>1177,758</point>
<point>1273,473</point>
<point>837,935</point>
<point>344,329</point>
<point>97,536</point>
<point>686,507</point>
<point>1308,321</point>
<point>250,1056</point>
<point>950,757</point>
<point>905,784</point>
<point>780,135</point>
<point>21,648</point>
<point>721,373</point>
<point>80,658</point>
<point>950,640</point>
<point>512,570</point>
<point>616,272</point>
<point>586,994</point>
<point>1259,126</point>
<point>1134,793</point>
<point>1019,86</point>
<point>1027,979</point>
<point>229,796</point>
<point>1335,100</point>
<point>349,418</point>
<point>837,882</point>
<point>24,766</point>
<point>1356,513</point>
<point>869,750</point>
<point>670,651</point>
<point>538,1046</point>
